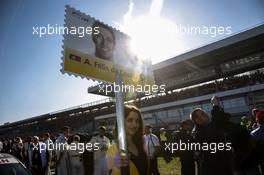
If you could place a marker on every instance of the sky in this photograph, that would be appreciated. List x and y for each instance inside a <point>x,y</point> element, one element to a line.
<point>31,83</point>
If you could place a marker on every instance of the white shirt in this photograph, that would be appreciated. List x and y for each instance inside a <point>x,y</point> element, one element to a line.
<point>103,143</point>
<point>151,141</point>
<point>63,166</point>
<point>49,147</point>
<point>75,158</point>
<point>100,161</point>
<point>60,145</point>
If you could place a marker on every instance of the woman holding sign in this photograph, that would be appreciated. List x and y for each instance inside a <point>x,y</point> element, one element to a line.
<point>137,159</point>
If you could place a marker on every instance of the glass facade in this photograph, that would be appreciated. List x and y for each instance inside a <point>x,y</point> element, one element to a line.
<point>191,76</point>
<point>236,105</point>
<point>243,62</point>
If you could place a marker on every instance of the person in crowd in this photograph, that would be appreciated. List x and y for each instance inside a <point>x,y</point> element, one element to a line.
<point>27,143</point>
<point>87,156</point>
<point>258,137</point>
<point>17,149</point>
<point>254,123</point>
<point>254,112</point>
<point>164,138</point>
<point>75,157</point>
<point>201,120</point>
<point>100,161</point>
<point>34,156</point>
<point>212,132</point>
<point>137,159</point>
<point>1,145</point>
<point>62,163</point>
<point>153,148</point>
<point>186,156</point>
<point>49,148</point>
<point>163,135</point>
<point>245,123</point>
<point>38,160</point>
<point>6,146</point>
<point>220,130</point>
<point>258,133</point>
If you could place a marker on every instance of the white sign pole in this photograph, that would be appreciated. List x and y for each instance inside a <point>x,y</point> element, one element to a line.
<point>120,115</point>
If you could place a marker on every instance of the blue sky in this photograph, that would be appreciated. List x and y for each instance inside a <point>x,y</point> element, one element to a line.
<point>30,81</point>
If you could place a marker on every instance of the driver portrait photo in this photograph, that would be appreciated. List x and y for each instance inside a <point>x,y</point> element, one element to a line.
<point>104,41</point>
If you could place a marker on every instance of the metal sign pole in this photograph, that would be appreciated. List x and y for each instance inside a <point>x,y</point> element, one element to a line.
<point>120,114</point>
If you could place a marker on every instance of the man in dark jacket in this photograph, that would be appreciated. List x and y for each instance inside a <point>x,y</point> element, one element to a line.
<point>186,156</point>
<point>221,131</point>
<point>213,162</point>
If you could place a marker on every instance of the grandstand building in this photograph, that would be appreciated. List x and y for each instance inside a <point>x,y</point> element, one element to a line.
<point>232,68</point>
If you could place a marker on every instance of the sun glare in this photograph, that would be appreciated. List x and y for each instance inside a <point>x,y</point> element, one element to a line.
<point>153,37</point>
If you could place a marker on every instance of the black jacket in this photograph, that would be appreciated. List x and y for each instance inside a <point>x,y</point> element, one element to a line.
<point>215,161</point>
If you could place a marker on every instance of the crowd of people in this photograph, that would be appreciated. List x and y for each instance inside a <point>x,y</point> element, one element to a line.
<point>243,153</point>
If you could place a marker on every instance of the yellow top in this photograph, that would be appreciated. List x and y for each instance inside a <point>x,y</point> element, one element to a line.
<point>163,136</point>
<point>111,153</point>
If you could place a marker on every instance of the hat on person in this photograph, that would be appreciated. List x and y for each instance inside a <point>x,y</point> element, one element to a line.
<point>255,111</point>
<point>259,115</point>
<point>76,138</point>
<point>148,125</point>
<point>35,138</point>
<point>244,118</point>
<point>162,129</point>
<point>102,127</point>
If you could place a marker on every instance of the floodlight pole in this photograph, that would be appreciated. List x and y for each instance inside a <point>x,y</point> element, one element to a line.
<point>120,115</point>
